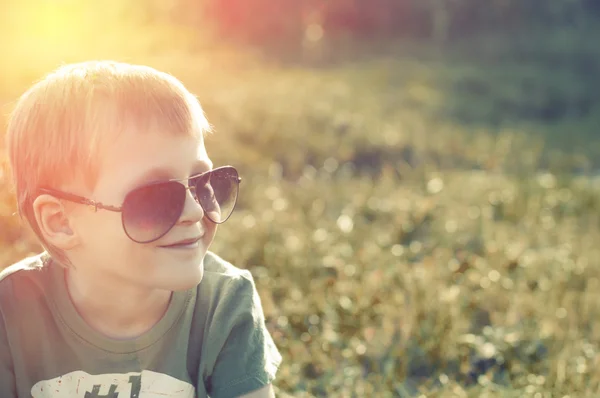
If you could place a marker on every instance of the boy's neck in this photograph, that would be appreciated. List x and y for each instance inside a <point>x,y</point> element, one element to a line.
<point>115,309</point>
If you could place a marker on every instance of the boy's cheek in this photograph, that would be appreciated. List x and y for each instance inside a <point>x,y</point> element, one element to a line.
<point>101,231</point>
<point>211,231</point>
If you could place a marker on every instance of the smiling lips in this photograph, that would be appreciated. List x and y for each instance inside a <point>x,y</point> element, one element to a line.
<point>184,243</point>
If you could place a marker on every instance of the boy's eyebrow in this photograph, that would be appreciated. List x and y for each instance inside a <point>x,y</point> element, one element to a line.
<point>161,173</point>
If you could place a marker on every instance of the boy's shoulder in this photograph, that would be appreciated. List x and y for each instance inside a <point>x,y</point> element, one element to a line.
<point>24,279</point>
<point>25,267</point>
<point>224,280</point>
<point>217,267</point>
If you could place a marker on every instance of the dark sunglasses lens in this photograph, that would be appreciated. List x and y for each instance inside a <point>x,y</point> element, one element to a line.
<point>217,193</point>
<point>150,212</point>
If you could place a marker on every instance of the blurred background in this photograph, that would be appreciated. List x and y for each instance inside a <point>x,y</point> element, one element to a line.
<point>420,198</point>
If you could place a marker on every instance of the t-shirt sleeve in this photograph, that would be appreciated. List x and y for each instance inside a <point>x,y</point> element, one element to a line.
<point>246,357</point>
<point>7,376</point>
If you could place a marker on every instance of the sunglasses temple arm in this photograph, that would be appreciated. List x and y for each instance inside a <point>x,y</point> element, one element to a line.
<point>81,200</point>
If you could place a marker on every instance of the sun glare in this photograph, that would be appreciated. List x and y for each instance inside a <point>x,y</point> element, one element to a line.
<point>48,32</point>
<point>45,25</point>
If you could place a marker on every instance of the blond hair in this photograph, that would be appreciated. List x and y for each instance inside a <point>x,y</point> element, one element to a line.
<point>59,126</point>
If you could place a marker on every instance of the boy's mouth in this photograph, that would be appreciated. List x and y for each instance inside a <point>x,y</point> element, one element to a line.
<point>184,244</point>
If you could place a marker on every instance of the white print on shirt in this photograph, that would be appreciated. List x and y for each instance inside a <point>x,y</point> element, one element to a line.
<point>146,384</point>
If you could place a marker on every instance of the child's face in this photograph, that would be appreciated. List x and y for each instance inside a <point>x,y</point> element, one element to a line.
<point>106,250</point>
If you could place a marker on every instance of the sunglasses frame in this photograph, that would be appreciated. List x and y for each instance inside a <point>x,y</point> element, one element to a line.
<point>94,205</point>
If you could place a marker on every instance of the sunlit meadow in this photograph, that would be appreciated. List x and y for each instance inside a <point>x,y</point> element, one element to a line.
<point>411,228</point>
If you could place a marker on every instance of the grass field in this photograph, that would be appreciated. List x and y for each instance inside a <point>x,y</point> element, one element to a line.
<point>418,222</point>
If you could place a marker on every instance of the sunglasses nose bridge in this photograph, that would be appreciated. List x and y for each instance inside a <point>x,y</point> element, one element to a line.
<point>192,211</point>
<point>192,189</point>
<point>194,192</point>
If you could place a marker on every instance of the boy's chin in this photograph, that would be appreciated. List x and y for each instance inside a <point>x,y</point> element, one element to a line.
<point>179,285</point>
<point>179,273</point>
<point>183,279</point>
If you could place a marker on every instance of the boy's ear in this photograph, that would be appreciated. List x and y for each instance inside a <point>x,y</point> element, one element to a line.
<point>54,223</point>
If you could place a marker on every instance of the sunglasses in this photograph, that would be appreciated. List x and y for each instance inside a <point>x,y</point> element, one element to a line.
<point>149,212</point>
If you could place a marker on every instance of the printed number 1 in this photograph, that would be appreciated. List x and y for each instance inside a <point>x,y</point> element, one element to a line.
<point>136,386</point>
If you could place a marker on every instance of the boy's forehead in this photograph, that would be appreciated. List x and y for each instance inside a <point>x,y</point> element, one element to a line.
<point>162,173</point>
<point>137,157</point>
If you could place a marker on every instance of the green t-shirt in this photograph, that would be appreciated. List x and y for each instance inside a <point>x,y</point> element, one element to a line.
<point>211,342</point>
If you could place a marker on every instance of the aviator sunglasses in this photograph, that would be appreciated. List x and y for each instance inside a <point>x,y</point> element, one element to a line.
<point>150,211</point>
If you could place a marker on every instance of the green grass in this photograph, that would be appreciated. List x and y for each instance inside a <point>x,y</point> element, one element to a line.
<point>413,224</point>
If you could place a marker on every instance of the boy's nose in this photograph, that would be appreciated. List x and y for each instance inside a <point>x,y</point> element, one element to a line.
<point>192,211</point>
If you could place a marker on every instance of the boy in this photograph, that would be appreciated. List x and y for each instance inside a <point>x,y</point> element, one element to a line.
<point>112,175</point>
